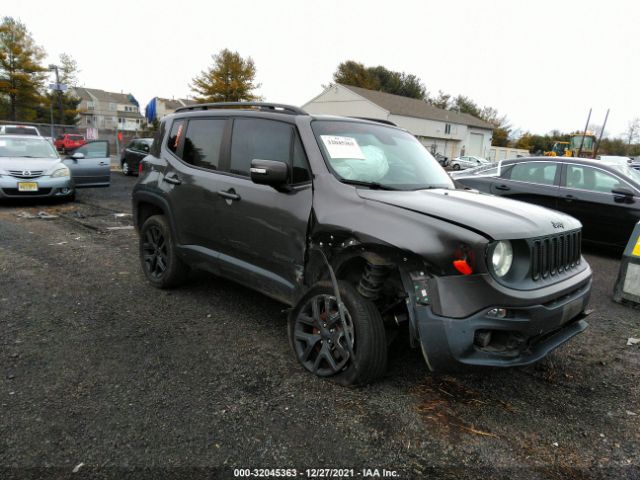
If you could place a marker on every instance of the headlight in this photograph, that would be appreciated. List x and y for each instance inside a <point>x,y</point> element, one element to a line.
<point>61,172</point>
<point>502,257</point>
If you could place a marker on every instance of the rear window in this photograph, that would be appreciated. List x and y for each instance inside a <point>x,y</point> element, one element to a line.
<point>75,138</point>
<point>173,142</point>
<point>202,142</point>
<point>21,130</point>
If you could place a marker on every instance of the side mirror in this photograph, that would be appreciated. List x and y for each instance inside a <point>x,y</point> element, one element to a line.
<point>77,156</point>
<point>269,172</point>
<point>623,195</point>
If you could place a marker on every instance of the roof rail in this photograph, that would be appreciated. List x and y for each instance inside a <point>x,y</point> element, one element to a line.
<point>379,120</point>
<point>268,107</point>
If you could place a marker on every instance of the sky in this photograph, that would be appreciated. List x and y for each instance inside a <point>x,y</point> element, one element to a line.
<point>544,64</point>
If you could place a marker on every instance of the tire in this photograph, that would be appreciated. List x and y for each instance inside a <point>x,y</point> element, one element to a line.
<point>124,166</point>
<point>158,257</point>
<point>312,342</point>
<point>456,166</point>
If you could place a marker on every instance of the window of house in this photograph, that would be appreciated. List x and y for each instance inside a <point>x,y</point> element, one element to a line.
<point>267,140</point>
<point>447,128</point>
<point>90,105</point>
<point>543,173</point>
<point>203,141</point>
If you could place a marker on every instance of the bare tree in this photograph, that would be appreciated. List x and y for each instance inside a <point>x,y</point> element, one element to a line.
<point>632,133</point>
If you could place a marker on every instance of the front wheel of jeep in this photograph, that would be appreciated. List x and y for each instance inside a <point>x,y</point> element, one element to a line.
<point>351,353</point>
<point>160,262</point>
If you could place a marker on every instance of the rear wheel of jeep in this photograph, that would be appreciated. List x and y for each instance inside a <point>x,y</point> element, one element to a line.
<point>160,262</point>
<point>351,353</point>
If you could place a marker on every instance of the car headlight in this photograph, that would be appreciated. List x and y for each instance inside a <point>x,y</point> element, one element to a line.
<point>502,257</point>
<point>61,172</point>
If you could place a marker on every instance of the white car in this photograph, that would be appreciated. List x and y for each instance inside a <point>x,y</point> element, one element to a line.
<point>468,161</point>
<point>19,130</point>
<point>31,167</point>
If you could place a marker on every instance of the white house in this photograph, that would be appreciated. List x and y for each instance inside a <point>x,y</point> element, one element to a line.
<point>108,110</point>
<point>446,132</point>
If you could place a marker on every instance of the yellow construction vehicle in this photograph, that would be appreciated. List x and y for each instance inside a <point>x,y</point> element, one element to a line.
<point>576,146</point>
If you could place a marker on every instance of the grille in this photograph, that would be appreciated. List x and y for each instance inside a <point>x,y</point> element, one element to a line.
<point>16,192</point>
<point>554,255</point>
<point>26,173</point>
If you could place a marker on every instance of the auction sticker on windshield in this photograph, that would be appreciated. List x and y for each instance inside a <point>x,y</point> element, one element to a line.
<point>342,147</point>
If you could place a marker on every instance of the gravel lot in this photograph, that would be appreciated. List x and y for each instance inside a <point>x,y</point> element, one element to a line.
<point>100,369</point>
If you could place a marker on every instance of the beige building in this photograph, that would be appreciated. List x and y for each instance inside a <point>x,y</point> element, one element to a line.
<point>442,131</point>
<point>108,110</point>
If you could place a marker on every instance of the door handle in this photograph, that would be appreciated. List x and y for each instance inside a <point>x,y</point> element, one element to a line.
<point>502,187</point>
<point>103,163</point>
<point>229,194</point>
<point>569,198</point>
<point>172,178</point>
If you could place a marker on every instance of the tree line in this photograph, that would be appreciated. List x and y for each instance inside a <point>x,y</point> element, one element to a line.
<point>23,92</point>
<point>232,77</point>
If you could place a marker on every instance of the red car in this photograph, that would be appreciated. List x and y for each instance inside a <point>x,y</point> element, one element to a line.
<point>69,141</point>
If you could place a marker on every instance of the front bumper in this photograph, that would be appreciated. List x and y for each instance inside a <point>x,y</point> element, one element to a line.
<point>525,336</point>
<point>47,187</point>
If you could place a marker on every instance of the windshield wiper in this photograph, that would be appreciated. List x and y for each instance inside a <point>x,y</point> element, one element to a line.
<point>371,185</point>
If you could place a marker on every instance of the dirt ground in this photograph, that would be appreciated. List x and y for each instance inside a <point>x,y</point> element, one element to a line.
<point>103,374</point>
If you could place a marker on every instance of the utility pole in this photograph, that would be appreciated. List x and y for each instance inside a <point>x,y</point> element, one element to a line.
<point>55,68</point>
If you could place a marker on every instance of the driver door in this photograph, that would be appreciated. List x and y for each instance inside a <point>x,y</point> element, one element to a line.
<point>90,164</point>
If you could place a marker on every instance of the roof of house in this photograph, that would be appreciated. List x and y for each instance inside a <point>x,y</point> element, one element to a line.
<point>176,103</point>
<point>412,107</point>
<point>102,96</point>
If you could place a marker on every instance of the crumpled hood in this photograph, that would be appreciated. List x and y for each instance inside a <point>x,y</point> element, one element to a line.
<point>495,217</point>
<point>18,163</point>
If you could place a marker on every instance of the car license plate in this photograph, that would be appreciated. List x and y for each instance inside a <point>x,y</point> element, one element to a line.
<point>570,310</point>
<point>27,187</point>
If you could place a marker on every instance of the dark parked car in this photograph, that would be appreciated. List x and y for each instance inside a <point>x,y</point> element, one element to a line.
<point>604,196</point>
<point>131,155</point>
<point>355,226</point>
<point>442,160</point>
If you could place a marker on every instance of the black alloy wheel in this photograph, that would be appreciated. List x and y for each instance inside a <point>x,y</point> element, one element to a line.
<point>160,262</point>
<point>320,339</point>
<point>154,251</point>
<point>350,352</point>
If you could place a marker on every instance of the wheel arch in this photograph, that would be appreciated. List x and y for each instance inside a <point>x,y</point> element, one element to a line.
<point>147,204</point>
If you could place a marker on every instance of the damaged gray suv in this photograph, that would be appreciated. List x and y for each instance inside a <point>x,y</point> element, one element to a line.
<point>357,227</point>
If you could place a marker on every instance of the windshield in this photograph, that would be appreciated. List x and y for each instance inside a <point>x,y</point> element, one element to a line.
<point>27,147</point>
<point>586,145</point>
<point>378,155</point>
<point>626,170</point>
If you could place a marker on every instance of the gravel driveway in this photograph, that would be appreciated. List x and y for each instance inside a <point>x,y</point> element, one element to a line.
<point>103,374</point>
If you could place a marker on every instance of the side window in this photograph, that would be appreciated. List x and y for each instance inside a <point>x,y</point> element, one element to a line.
<point>174,135</point>
<point>256,138</point>
<point>96,149</point>
<point>543,173</point>
<point>202,142</point>
<point>587,178</point>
